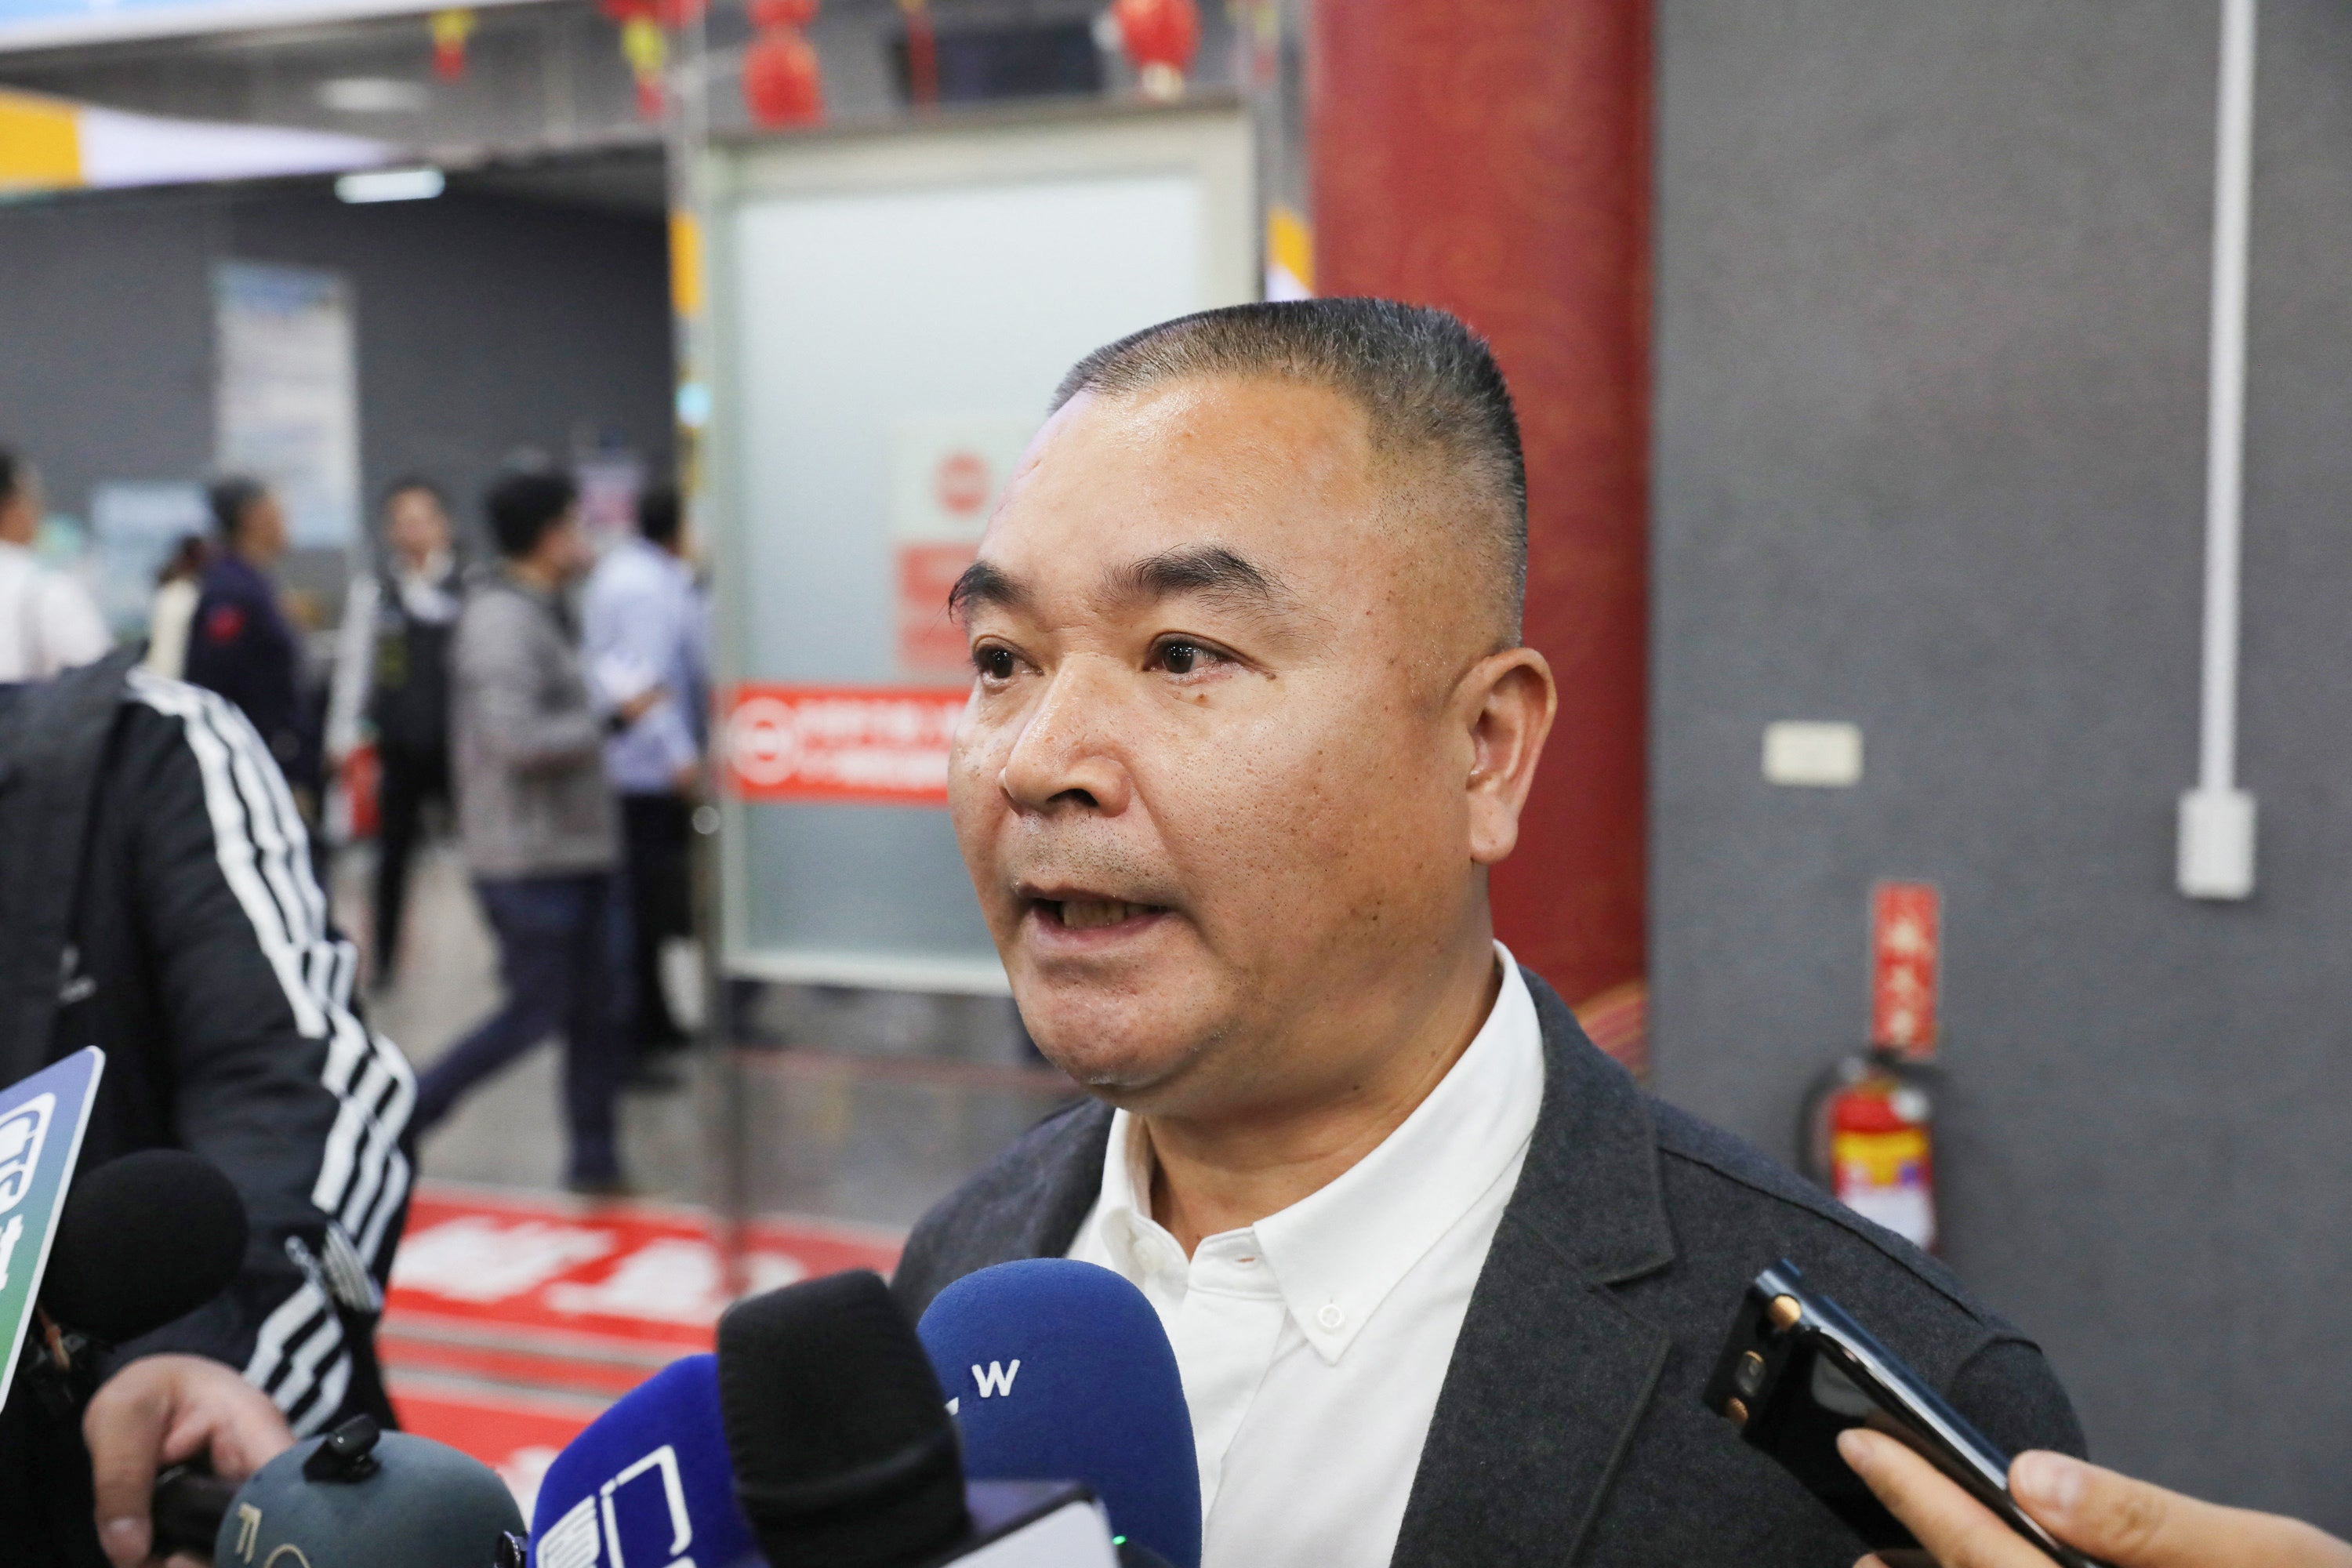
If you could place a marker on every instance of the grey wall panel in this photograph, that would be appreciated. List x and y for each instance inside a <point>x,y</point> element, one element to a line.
<point>486,324</point>
<point>106,341</point>
<point>1929,456</point>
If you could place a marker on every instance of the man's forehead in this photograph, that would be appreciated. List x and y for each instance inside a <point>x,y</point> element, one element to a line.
<point>1259,466</point>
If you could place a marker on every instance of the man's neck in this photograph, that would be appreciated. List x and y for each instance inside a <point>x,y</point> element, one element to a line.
<point>1211,1175</point>
<point>534,574</point>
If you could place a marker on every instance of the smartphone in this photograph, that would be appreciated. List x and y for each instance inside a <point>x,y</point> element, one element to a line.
<point>1797,1371</point>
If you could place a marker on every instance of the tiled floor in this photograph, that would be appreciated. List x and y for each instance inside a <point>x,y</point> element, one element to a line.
<point>518,1313</point>
<point>867,1106</point>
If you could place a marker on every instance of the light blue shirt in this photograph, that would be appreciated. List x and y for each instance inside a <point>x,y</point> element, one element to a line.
<point>642,625</point>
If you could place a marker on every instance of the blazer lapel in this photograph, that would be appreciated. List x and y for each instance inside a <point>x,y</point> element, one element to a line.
<point>1550,1374</point>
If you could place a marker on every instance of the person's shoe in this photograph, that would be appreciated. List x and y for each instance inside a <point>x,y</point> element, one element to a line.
<point>601,1187</point>
<point>652,1078</point>
<point>663,1045</point>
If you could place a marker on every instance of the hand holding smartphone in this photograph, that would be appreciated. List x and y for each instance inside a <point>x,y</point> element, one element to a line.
<point>1797,1371</point>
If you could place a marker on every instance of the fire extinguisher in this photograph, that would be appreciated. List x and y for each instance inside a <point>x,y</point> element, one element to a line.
<point>1868,1132</point>
<point>1869,1139</point>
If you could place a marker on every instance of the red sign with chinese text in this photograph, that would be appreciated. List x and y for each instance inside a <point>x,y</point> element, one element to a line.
<point>881,746</point>
<point>929,641</point>
<point>1905,964</point>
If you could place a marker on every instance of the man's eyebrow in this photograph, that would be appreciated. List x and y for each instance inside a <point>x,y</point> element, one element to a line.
<point>985,584</point>
<point>1210,570</point>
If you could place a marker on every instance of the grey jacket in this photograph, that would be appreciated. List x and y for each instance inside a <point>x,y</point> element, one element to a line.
<point>527,741</point>
<point>1570,1429</point>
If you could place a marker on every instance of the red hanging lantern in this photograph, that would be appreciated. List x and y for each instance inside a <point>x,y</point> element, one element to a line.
<point>669,15</point>
<point>644,42</point>
<point>1161,38</point>
<point>451,29</point>
<point>922,55</point>
<point>646,48</point>
<point>783,85</point>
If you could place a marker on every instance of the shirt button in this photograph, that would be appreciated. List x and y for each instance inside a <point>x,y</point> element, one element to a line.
<point>1331,1318</point>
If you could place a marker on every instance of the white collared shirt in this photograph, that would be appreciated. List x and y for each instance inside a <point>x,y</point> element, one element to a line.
<point>1313,1343</point>
<point>48,621</point>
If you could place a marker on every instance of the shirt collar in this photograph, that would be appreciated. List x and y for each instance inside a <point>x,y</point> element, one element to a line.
<point>1338,1253</point>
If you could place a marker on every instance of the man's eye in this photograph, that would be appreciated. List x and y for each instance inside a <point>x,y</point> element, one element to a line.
<point>1182,656</point>
<point>994,663</point>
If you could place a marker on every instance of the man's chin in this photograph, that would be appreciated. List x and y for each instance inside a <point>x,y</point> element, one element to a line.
<point>1116,1054</point>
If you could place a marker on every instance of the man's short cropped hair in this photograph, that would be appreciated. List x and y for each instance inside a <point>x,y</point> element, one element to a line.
<point>231,497</point>
<point>407,482</point>
<point>1428,386</point>
<point>523,506</point>
<point>658,516</point>
<point>13,469</point>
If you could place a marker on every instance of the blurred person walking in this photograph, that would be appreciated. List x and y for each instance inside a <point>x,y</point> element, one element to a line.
<point>642,626</point>
<point>392,686</point>
<point>171,612</point>
<point>536,820</point>
<point>242,645</point>
<point>48,622</point>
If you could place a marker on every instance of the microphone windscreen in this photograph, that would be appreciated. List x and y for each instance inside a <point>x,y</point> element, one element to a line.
<point>843,1450</point>
<point>1060,1370</point>
<point>143,1240</point>
<point>410,1503</point>
<point>648,1481</point>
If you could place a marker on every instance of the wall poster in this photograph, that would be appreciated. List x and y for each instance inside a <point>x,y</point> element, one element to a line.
<point>286,401</point>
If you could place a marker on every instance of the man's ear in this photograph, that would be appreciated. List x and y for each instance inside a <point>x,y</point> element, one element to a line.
<point>1507,701</point>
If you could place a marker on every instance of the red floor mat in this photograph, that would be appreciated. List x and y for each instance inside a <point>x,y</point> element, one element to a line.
<point>514,1317</point>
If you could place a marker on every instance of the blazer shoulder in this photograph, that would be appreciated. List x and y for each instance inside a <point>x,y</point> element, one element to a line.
<point>1028,1202</point>
<point>1722,1170</point>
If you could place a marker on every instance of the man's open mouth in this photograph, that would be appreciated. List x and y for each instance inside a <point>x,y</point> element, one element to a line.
<point>1086,914</point>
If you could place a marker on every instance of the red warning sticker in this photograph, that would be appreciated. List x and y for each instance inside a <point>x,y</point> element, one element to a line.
<point>1906,967</point>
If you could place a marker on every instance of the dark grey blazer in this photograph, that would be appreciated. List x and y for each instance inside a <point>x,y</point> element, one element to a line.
<point>1570,1428</point>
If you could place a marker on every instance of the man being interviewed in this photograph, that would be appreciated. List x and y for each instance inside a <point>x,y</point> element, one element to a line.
<point>1250,719</point>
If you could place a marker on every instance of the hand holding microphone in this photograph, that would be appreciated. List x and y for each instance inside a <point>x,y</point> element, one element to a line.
<point>143,1240</point>
<point>166,1410</point>
<point>146,1238</point>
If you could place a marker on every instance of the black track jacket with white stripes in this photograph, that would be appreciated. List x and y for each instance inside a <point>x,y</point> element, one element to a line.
<point>157,901</point>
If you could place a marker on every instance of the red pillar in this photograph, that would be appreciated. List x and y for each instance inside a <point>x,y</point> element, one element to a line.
<point>1492,157</point>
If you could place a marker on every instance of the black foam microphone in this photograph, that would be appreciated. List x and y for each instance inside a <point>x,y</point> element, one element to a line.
<point>143,1240</point>
<point>841,1447</point>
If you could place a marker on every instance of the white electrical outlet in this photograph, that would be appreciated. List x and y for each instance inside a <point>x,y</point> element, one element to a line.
<point>1812,753</point>
<point>2217,844</point>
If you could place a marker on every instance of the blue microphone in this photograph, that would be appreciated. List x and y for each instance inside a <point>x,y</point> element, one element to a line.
<point>1059,1369</point>
<point>648,1482</point>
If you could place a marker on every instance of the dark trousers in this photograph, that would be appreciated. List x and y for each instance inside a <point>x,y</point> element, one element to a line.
<point>655,829</point>
<point>555,956</point>
<point>411,778</point>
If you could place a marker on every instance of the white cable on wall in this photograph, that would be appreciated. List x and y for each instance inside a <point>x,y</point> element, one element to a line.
<point>2217,818</point>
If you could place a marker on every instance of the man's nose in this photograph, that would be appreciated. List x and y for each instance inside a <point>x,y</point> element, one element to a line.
<point>1062,756</point>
